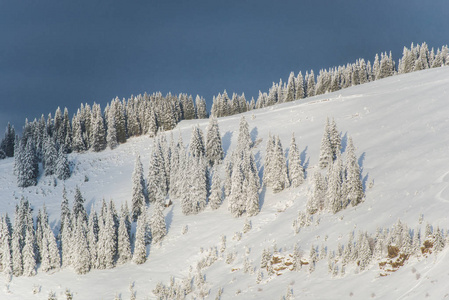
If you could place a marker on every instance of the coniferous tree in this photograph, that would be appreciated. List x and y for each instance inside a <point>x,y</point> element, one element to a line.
<point>214,148</point>
<point>279,168</point>
<point>268,166</point>
<point>244,142</point>
<point>252,187</point>
<point>335,139</point>
<point>157,224</point>
<point>291,88</point>
<point>124,242</point>
<point>299,84</point>
<point>28,166</point>
<point>67,240</point>
<point>107,240</point>
<point>196,146</point>
<point>29,257</point>
<point>78,205</point>
<point>326,154</point>
<point>140,252</point>
<point>334,188</point>
<point>157,178</point>
<point>81,259</point>
<point>111,137</point>
<point>201,111</point>
<point>16,245</point>
<point>354,184</point>
<point>98,134</point>
<point>62,165</point>
<point>92,237</point>
<point>50,156</point>
<point>295,169</point>
<point>216,192</point>
<point>7,263</point>
<point>138,191</point>
<point>78,142</point>
<point>7,144</point>
<point>317,197</point>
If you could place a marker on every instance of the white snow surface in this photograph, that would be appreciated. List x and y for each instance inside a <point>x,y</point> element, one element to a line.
<point>400,128</point>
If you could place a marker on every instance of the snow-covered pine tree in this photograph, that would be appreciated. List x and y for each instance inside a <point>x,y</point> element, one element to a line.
<point>269,159</point>
<point>111,137</point>
<point>6,262</point>
<point>16,245</point>
<point>279,167</point>
<point>291,88</point>
<point>50,156</point>
<point>81,257</point>
<point>196,146</point>
<point>62,165</point>
<point>201,110</point>
<point>334,187</point>
<point>216,191</point>
<point>198,184</point>
<point>28,170</point>
<point>310,84</point>
<point>299,84</point>
<point>98,134</point>
<point>66,240</point>
<point>140,250</point>
<point>335,139</point>
<point>138,189</point>
<point>157,177</point>
<point>214,148</point>
<point>124,241</point>
<point>295,169</point>
<point>92,237</point>
<point>326,154</point>
<point>237,196</point>
<point>252,187</point>
<point>244,142</point>
<point>29,257</point>
<point>107,240</point>
<point>157,224</point>
<point>78,205</point>
<point>317,197</point>
<point>354,184</point>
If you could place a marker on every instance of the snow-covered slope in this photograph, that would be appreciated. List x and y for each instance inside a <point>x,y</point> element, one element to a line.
<point>400,128</point>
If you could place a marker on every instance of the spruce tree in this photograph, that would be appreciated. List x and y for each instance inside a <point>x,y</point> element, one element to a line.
<point>92,237</point>
<point>111,137</point>
<point>50,156</point>
<point>124,242</point>
<point>354,184</point>
<point>138,189</point>
<point>62,165</point>
<point>196,146</point>
<point>157,224</point>
<point>140,252</point>
<point>78,205</point>
<point>29,257</point>
<point>326,153</point>
<point>214,148</point>
<point>279,168</point>
<point>216,192</point>
<point>295,169</point>
<point>291,89</point>
<point>157,177</point>
<point>81,258</point>
<point>334,188</point>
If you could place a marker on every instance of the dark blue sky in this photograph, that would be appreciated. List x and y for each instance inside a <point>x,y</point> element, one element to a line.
<point>62,53</point>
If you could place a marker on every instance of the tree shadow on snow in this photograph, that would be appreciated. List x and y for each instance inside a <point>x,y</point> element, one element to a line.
<point>169,218</point>
<point>305,163</point>
<point>344,142</point>
<point>254,133</point>
<point>364,181</point>
<point>262,197</point>
<point>258,161</point>
<point>361,161</point>
<point>226,141</point>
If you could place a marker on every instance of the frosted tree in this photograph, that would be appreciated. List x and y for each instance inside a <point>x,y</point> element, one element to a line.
<point>216,192</point>
<point>98,134</point>
<point>138,189</point>
<point>268,162</point>
<point>334,187</point>
<point>196,146</point>
<point>50,258</point>
<point>140,252</point>
<point>291,89</point>
<point>252,186</point>
<point>28,170</point>
<point>201,110</point>
<point>157,224</point>
<point>16,245</point>
<point>354,184</point>
<point>295,169</point>
<point>244,142</point>
<point>111,137</point>
<point>124,243</point>
<point>62,165</point>
<point>237,196</point>
<point>81,259</point>
<point>6,257</point>
<point>78,205</point>
<point>214,149</point>
<point>29,257</point>
<point>335,139</point>
<point>310,84</point>
<point>364,253</point>
<point>198,185</point>
<point>92,237</point>
<point>299,84</point>
<point>152,124</point>
<point>157,177</point>
<point>50,156</point>
<point>326,153</point>
<point>66,240</point>
<point>317,196</point>
<point>107,240</point>
<point>279,168</point>
<point>78,142</point>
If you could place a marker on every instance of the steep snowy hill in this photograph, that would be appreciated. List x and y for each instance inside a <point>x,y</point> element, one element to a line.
<point>399,126</point>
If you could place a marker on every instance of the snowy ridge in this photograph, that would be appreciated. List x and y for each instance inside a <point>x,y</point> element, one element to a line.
<point>399,126</point>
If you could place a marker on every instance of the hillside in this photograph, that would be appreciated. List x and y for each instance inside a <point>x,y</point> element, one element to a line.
<point>399,127</point>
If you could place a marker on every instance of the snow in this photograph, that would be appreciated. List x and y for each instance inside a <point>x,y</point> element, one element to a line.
<point>399,127</point>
